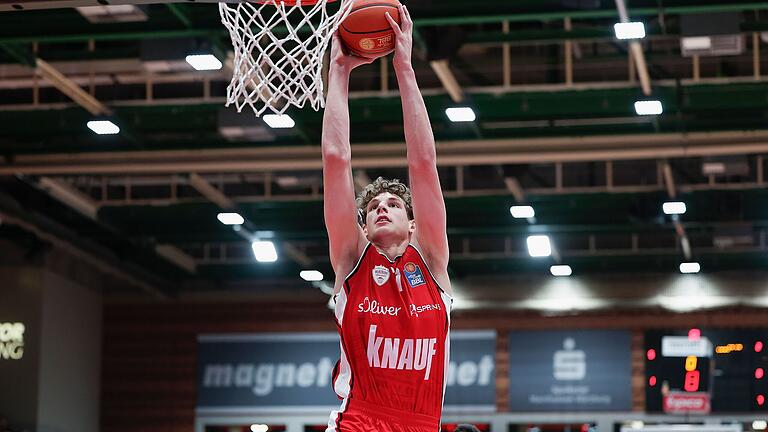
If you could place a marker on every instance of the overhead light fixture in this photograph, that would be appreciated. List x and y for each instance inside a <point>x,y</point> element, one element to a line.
<point>629,30</point>
<point>560,270</point>
<point>539,246</point>
<point>713,168</point>
<point>696,42</point>
<point>259,428</point>
<point>204,62</point>
<point>230,218</point>
<point>279,121</point>
<point>674,207</point>
<point>522,212</point>
<point>264,251</point>
<point>460,114</point>
<point>113,13</point>
<point>311,275</point>
<point>648,107</point>
<point>689,267</point>
<point>759,425</point>
<point>103,127</point>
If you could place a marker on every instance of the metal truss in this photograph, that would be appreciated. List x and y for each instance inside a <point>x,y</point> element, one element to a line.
<point>392,155</point>
<point>505,247</point>
<point>268,185</point>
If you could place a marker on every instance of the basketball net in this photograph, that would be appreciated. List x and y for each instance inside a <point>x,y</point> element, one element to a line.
<point>279,47</point>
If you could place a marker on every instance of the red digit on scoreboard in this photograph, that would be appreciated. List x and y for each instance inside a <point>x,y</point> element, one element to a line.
<point>692,381</point>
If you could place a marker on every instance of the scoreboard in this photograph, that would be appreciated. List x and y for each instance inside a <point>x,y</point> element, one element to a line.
<point>706,370</point>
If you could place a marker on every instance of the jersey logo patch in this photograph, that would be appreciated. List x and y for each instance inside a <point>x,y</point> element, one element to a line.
<point>380,275</point>
<point>413,275</point>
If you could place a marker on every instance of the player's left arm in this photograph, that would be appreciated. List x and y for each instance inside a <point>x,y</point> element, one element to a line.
<point>428,203</point>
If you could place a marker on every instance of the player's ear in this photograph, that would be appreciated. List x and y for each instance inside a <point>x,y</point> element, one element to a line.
<point>412,225</point>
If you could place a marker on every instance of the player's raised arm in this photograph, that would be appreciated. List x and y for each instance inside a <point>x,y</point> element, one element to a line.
<point>344,234</point>
<point>428,204</point>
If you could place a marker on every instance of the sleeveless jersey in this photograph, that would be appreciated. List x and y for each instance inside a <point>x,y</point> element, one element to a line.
<point>393,321</point>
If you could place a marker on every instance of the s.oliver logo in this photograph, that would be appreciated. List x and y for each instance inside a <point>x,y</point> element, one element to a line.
<point>374,307</point>
<point>11,341</point>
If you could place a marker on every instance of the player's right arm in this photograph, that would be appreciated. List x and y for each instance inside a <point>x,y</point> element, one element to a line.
<point>345,237</point>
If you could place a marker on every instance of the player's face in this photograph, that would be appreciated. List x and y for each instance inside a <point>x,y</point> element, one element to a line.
<point>386,216</point>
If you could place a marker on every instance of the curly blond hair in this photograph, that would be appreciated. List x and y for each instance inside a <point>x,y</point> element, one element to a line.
<point>379,186</point>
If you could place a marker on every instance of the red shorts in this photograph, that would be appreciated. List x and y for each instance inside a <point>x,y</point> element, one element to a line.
<point>361,416</point>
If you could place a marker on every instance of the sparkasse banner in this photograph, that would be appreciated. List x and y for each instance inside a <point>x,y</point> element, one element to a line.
<point>292,371</point>
<point>578,370</point>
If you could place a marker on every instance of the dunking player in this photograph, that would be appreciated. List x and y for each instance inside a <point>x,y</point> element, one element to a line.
<point>392,290</point>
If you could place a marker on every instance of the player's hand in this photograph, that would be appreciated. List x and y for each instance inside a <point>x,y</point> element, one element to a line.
<point>342,59</point>
<point>403,38</point>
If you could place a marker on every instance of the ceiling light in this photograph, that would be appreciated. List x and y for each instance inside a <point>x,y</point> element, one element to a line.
<point>538,246</point>
<point>230,218</point>
<point>264,251</point>
<point>259,428</point>
<point>673,207</point>
<point>279,121</point>
<point>103,127</point>
<point>648,107</point>
<point>522,212</point>
<point>560,270</point>
<point>759,425</point>
<point>696,43</point>
<point>690,267</point>
<point>112,13</point>
<point>460,114</point>
<point>629,30</point>
<point>204,62</point>
<point>311,275</point>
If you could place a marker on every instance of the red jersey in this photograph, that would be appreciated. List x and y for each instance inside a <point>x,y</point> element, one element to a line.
<point>393,321</point>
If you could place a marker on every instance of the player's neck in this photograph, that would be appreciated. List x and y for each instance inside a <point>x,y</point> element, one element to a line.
<point>392,248</point>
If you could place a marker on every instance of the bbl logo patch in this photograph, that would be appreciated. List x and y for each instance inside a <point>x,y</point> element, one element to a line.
<point>380,275</point>
<point>413,275</point>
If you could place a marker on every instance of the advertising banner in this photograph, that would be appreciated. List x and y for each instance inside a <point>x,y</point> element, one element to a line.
<point>292,372</point>
<point>570,371</point>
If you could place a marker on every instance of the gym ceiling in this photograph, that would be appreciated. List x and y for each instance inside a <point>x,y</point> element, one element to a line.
<point>553,91</point>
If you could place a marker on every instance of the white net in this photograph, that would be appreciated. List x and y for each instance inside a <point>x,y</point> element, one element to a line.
<point>279,48</point>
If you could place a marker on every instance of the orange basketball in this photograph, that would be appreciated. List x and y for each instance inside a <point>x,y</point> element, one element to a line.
<point>366,31</point>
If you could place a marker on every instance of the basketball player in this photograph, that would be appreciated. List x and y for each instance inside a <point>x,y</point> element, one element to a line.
<point>392,290</point>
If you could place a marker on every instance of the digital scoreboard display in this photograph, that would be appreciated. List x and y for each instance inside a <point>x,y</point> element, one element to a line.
<point>697,371</point>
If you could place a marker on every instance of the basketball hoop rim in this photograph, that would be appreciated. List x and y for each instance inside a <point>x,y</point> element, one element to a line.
<point>291,2</point>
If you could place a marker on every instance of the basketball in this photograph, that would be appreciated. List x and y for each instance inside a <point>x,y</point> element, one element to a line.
<point>366,31</point>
